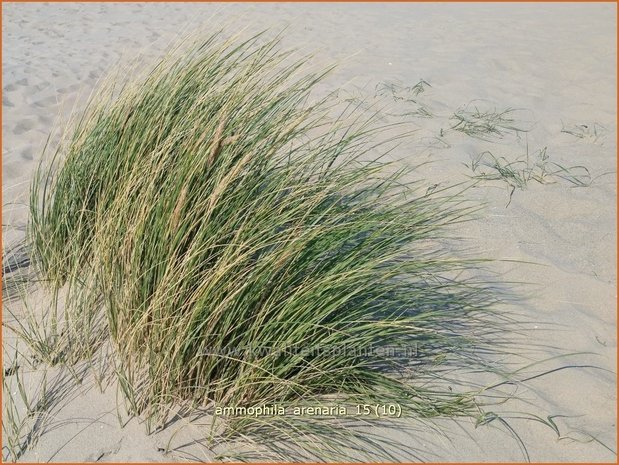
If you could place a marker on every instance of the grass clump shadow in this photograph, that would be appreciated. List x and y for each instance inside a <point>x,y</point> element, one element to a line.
<point>214,206</point>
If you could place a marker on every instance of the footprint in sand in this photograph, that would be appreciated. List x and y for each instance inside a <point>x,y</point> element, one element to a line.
<point>42,86</point>
<point>6,102</point>
<point>46,102</point>
<point>67,90</point>
<point>44,120</point>
<point>23,126</point>
<point>14,86</point>
<point>26,154</point>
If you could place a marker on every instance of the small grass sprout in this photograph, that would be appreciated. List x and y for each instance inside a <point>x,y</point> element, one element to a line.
<point>517,174</point>
<point>405,96</point>
<point>593,132</point>
<point>483,123</point>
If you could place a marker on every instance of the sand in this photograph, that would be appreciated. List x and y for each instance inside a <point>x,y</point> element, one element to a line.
<point>555,63</point>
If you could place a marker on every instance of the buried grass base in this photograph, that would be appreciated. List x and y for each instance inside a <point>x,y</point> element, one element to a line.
<point>248,247</point>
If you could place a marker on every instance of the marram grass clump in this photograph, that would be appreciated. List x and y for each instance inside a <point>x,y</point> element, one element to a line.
<point>251,245</point>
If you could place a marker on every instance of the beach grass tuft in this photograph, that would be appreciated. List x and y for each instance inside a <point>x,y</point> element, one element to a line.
<point>251,244</point>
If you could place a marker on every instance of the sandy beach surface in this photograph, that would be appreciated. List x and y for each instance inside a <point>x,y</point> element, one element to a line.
<point>554,64</point>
